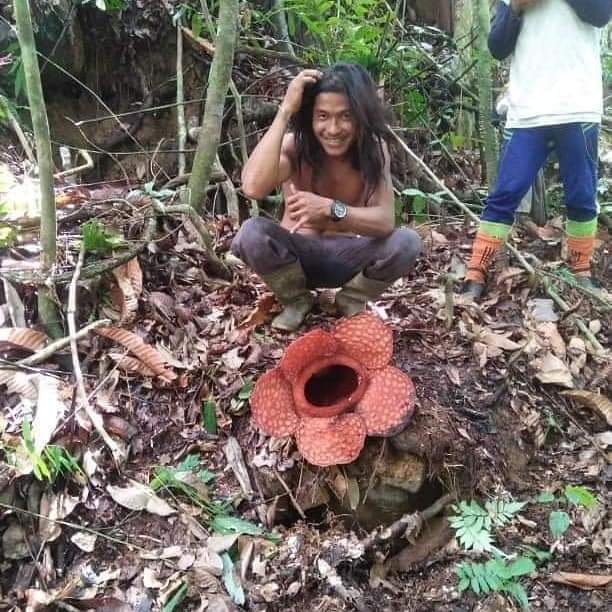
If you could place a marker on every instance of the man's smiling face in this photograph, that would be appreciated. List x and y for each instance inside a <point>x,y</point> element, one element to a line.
<point>333,123</point>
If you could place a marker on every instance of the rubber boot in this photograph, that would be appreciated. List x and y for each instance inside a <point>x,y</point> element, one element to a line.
<point>354,295</point>
<point>484,250</point>
<point>289,287</point>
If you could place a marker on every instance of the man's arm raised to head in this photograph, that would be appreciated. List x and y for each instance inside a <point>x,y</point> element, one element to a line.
<point>506,26</point>
<point>270,163</point>
<point>594,12</point>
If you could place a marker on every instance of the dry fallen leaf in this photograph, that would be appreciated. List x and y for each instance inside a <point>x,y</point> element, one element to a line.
<point>551,370</point>
<point>552,338</point>
<point>21,337</point>
<point>261,312</point>
<point>54,508</point>
<point>582,581</point>
<point>139,497</point>
<point>128,288</point>
<point>599,403</point>
<point>145,352</point>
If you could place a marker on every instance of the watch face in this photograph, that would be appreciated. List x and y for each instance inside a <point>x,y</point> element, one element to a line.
<point>339,210</point>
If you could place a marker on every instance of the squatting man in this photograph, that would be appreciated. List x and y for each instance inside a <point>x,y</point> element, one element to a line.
<point>327,150</point>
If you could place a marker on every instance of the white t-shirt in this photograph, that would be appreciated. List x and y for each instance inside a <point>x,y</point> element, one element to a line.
<point>555,75</point>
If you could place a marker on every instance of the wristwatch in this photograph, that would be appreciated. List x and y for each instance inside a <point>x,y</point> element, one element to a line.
<point>338,210</point>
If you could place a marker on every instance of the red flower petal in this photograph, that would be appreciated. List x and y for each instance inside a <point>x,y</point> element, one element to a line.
<point>272,405</point>
<point>388,403</point>
<point>331,441</point>
<point>366,338</point>
<point>303,351</point>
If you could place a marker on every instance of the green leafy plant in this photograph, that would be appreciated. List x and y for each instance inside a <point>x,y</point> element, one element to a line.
<point>473,523</point>
<point>99,239</point>
<point>209,416</point>
<point>497,576</point>
<point>189,480</point>
<point>559,521</point>
<point>52,462</point>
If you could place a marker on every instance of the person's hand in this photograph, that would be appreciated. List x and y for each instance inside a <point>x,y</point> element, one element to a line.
<point>519,6</point>
<point>307,209</point>
<point>293,97</point>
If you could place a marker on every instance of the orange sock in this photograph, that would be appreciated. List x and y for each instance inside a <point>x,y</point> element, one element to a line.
<point>579,253</point>
<point>484,250</point>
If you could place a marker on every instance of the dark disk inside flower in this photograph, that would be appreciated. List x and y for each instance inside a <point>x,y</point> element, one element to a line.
<point>332,389</point>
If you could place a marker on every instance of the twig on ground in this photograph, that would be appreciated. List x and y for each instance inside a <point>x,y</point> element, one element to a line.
<point>44,354</point>
<point>449,299</point>
<point>407,524</point>
<point>35,277</point>
<point>93,416</point>
<point>294,501</point>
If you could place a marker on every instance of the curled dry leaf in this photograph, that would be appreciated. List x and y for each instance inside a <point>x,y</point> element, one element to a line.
<point>54,508</point>
<point>128,288</point>
<point>582,581</point>
<point>20,383</point>
<point>139,497</point>
<point>551,370</point>
<point>261,312</point>
<point>21,337</point>
<point>163,303</point>
<point>599,403</point>
<point>84,540</point>
<point>143,351</point>
<point>131,365</point>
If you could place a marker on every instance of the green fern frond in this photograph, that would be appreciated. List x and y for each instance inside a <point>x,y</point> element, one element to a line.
<point>502,512</point>
<point>473,523</point>
<point>495,575</point>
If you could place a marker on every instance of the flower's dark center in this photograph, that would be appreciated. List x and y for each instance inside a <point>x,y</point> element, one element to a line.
<point>330,385</point>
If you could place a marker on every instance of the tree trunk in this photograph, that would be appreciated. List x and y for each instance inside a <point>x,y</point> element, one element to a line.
<point>218,84</point>
<point>47,308</point>
<point>485,90</point>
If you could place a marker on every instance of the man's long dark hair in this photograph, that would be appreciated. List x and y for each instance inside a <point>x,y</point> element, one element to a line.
<point>369,115</point>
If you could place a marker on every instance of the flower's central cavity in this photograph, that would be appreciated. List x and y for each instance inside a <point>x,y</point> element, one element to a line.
<point>331,385</point>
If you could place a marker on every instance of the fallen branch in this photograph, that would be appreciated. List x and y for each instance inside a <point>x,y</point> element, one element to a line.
<point>292,497</point>
<point>407,525</point>
<point>519,256</point>
<point>93,416</point>
<point>209,49</point>
<point>44,354</point>
<point>36,277</point>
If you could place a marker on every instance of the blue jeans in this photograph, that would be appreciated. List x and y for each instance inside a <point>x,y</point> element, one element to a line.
<point>524,153</point>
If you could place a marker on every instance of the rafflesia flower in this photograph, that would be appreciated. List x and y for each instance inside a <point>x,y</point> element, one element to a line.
<point>332,389</point>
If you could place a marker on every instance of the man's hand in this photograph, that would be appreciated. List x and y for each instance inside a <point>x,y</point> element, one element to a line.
<point>519,6</point>
<point>293,97</point>
<point>306,208</point>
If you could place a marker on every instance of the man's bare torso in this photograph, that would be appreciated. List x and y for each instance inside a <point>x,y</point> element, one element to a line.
<point>337,180</point>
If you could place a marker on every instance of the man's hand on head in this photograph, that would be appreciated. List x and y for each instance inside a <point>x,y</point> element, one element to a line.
<point>519,6</point>
<point>307,209</point>
<point>293,97</point>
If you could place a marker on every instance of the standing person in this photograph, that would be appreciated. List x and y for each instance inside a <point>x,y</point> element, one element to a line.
<point>555,102</point>
<point>337,229</point>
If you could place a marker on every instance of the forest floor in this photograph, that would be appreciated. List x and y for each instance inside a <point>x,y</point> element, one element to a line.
<point>492,423</point>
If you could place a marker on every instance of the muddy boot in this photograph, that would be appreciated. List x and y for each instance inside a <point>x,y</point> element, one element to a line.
<point>354,296</point>
<point>289,287</point>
